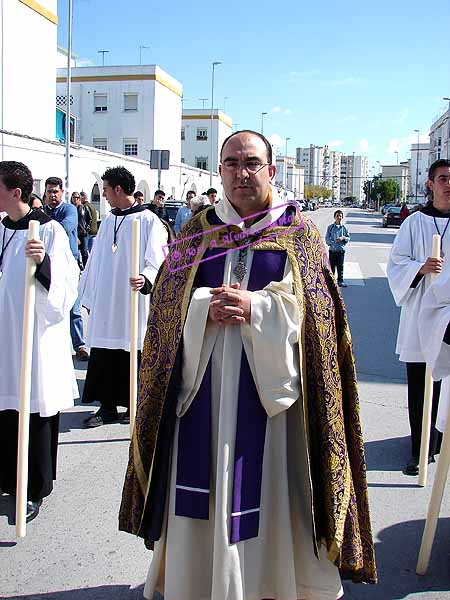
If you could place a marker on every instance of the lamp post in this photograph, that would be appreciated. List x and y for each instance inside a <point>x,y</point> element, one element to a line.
<point>417,163</point>
<point>68,91</point>
<point>263,114</point>
<point>286,162</point>
<point>103,52</point>
<point>140,52</point>
<point>225,102</point>
<point>214,65</point>
<point>396,154</point>
<point>203,100</point>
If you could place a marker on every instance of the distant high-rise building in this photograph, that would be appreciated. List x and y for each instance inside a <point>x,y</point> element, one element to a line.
<point>311,159</point>
<point>354,173</point>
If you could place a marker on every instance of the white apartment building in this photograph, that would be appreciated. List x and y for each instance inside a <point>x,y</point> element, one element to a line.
<point>311,159</point>
<point>440,138</point>
<point>27,89</point>
<point>196,130</point>
<point>401,175</point>
<point>290,176</point>
<point>419,163</point>
<point>127,110</point>
<point>354,174</point>
<point>331,174</point>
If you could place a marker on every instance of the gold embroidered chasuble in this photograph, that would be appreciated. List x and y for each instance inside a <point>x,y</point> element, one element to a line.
<point>329,393</point>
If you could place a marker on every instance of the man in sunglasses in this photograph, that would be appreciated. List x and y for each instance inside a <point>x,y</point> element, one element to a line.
<point>243,448</point>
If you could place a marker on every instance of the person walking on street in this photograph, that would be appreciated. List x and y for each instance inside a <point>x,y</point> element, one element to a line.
<point>67,216</point>
<point>90,216</point>
<point>336,238</point>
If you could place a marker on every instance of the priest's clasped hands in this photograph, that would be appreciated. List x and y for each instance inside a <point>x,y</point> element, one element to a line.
<point>230,305</point>
<point>35,249</point>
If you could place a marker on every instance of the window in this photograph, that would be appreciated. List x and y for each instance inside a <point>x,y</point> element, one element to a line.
<point>100,143</point>
<point>182,160</point>
<point>202,134</point>
<point>201,162</point>
<point>130,102</point>
<point>182,134</point>
<point>130,147</point>
<point>100,102</point>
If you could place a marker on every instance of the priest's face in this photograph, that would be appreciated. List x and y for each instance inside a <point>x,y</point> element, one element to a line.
<point>246,174</point>
<point>54,195</point>
<point>440,186</point>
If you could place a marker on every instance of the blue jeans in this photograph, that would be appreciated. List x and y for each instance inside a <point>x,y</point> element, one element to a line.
<point>90,241</point>
<point>76,326</point>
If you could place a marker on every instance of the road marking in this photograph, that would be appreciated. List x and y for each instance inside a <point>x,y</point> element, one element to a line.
<point>383,267</point>
<point>386,246</point>
<point>80,373</point>
<point>353,274</point>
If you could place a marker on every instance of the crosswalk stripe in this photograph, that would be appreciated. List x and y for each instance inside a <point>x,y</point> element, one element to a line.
<point>383,267</point>
<point>353,274</point>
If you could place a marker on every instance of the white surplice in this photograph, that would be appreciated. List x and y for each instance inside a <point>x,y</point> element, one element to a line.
<point>104,287</point>
<point>53,383</point>
<point>411,248</point>
<point>194,559</point>
<point>433,320</point>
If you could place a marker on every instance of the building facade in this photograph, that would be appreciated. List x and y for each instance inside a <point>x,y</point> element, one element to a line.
<point>311,159</point>
<point>128,110</point>
<point>354,174</point>
<point>440,138</point>
<point>401,175</point>
<point>290,176</point>
<point>196,130</point>
<point>419,163</point>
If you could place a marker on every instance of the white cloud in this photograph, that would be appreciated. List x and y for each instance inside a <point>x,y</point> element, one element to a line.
<point>335,143</point>
<point>275,109</point>
<point>364,145</point>
<point>299,75</point>
<point>348,119</point>
<point>276,140</point>
<point>287,111</point>
<point>393,146</point>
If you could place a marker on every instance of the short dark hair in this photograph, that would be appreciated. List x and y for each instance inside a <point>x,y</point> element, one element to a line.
<point>138,193</point>
<point>260,135</point>
<point>54,181</point>
<point>120,176</point>
<point>190,192</point>
<point>442,162</point>
<point>17,175</point>
<point>338,212</point>
<point>211,191</point>
<point>159,193</point>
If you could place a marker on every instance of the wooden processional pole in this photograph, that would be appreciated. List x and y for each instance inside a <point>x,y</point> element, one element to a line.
<point>25,387</point>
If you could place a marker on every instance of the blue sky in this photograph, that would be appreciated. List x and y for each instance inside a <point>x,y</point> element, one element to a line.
<point>357,75</point>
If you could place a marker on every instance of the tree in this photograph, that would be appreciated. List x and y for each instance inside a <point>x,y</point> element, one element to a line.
<point>388,189</point>
<point>317,191</point>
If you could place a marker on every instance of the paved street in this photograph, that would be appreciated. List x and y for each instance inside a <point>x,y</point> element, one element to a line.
<point>73,550</point>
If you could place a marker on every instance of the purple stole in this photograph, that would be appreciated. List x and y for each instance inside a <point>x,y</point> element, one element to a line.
<point>194,438</point>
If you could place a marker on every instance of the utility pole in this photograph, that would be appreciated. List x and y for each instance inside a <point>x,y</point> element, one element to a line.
<point>103,52</point>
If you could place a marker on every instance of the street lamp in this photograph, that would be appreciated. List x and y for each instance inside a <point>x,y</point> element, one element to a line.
<point>396,153</point>
<point>286,163</point>
<point>286,140</point>
<point>203,100</point>
<point>103,52</point>
<point>225,102</point>
<point>417,162</point>
<point>214,65</point>
<point>69,82</point>
<point>448,100</point>
<point>140,52</point>
<point>262,122</point>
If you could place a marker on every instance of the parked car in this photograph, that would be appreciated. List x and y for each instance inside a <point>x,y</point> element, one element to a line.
<point>391,217</point>
<point>172,209</point>
<point>385,207</point>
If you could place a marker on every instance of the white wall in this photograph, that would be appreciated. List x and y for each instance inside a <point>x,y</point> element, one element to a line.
<point>27,90</point>
<point>201,118</point>
<point>46,158</point>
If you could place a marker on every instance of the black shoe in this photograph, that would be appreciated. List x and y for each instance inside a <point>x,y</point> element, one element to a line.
<point>33,509</point>
<point>125,417</point>
<point>412,467</point>
<point>342,284</point>
<point>101,417</point>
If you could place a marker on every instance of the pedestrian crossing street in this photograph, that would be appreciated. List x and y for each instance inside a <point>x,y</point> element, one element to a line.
<point>353,274</point>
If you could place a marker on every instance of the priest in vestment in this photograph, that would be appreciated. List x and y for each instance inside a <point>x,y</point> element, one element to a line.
<point>53,383</point>
<point>105,291</point>
<point>409,268</point>
<point>247,474</point>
